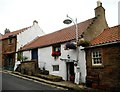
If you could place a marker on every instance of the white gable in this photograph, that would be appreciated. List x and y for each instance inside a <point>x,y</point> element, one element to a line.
<point>28,35</point>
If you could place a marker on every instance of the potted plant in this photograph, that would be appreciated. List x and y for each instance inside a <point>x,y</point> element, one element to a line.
<point>83,42</point>
<point>56,53</point>
<point>70,45</point>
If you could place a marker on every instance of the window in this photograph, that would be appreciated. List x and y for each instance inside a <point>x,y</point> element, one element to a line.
<point>55,67</point>
<point>56,48</point>
<point>96,58</point>
<point>19,56</point>
<point>9,40</point>
<point>56,51</point>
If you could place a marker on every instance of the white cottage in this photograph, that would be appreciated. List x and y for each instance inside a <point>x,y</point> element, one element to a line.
<point>29,34</point>
<point>57,53</point>
<point>26,35</point>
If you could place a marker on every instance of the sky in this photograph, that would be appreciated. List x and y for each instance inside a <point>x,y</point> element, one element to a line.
<point>18,14</point>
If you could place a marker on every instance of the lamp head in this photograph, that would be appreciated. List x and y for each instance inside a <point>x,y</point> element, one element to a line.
<point>67,21</point>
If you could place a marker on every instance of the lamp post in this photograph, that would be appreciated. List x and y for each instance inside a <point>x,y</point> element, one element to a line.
<point>69,20</point>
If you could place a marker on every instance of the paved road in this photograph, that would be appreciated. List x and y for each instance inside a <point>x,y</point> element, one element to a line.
<point>10,82</point>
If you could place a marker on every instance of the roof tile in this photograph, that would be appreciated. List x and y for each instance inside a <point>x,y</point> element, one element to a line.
<point>108,35</point>
<point>13,33</point>
<point>60,36</point>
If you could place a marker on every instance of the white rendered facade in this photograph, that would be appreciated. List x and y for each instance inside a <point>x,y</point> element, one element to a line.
<point>45,59</point>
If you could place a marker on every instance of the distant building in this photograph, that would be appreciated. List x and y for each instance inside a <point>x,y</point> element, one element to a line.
<point>13,41</point>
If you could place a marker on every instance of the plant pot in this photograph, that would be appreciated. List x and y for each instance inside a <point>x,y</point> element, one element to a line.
<point>70,45</point>
<point>56,53</point>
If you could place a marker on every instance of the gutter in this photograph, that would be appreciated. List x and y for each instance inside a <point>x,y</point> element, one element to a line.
<point>99,45</point>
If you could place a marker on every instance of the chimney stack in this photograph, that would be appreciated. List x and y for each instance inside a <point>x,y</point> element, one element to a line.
<point>99,10</point>
<point>35,22</point>
<point>6,31</point>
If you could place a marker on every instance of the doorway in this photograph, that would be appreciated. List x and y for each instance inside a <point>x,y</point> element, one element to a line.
<point>35,54</point>
<point>70,71</point>
<point>9,62</point>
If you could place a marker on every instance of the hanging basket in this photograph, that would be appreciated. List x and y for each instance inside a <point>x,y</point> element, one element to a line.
<point>70,45</point>
<point>83,43</point>
<point>56,53</point>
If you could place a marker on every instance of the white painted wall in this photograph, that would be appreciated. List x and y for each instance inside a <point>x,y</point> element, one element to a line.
<point>28,35</point>
<point>27,54</point>
<point>82,64</point>
<point>45,58</point>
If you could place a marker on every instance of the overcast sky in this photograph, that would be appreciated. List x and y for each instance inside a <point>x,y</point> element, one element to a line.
<point>17,14</point>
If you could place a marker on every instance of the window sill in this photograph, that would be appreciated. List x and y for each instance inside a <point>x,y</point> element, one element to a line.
<point>10,43</point>
<point>97,66</point>
<point>56,72</point>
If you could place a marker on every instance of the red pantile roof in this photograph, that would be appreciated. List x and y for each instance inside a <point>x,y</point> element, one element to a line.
<point>13,33</point>
<point>60,36</point>
<point>107,36</point>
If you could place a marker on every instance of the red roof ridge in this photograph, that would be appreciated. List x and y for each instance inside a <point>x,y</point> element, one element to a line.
<point>94,18</point>
<point>109,35</point>
<point>68,27</point>
<point>115,26</point>
<point>60,36</point>
<point>14,33</point>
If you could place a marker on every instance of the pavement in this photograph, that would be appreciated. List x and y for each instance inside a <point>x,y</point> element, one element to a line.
<point>65,84</point>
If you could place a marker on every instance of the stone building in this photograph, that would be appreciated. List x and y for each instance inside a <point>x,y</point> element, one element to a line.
<point>103,60</point>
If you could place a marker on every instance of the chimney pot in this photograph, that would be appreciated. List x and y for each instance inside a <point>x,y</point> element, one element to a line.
<point>6,31</point>
<point>35,22</point>
<point>99,3</point>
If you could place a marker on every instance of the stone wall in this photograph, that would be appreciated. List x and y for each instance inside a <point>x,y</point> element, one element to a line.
<point>108,74</point>
<point>7,50</point>
<point>29,67</point>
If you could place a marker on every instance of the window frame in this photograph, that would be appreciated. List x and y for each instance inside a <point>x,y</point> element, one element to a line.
<point>96,55</point>
<point>55,70</point>
<point>58,46</point>
<point>10,40</point>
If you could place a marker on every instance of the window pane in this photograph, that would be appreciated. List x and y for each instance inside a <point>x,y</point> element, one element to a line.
<point>55,67</point>
<point>96,57</point>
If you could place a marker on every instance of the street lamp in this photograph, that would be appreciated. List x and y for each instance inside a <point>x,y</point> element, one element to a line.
<point>69,20</point>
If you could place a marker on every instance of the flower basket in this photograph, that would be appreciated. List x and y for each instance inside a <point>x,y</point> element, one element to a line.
<point>83,43</point>
<point>70,45</point>
<point>56,53</point>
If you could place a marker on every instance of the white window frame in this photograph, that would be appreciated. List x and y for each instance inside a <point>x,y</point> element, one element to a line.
<point>96,55</point>
<point>54,69</point>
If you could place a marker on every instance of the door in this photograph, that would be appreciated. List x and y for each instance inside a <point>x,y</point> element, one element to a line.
<point>9,65</point>
<point>35,54</point>
<point>70,71</point>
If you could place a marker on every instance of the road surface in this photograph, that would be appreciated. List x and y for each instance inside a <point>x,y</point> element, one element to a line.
<point>10,82</point>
